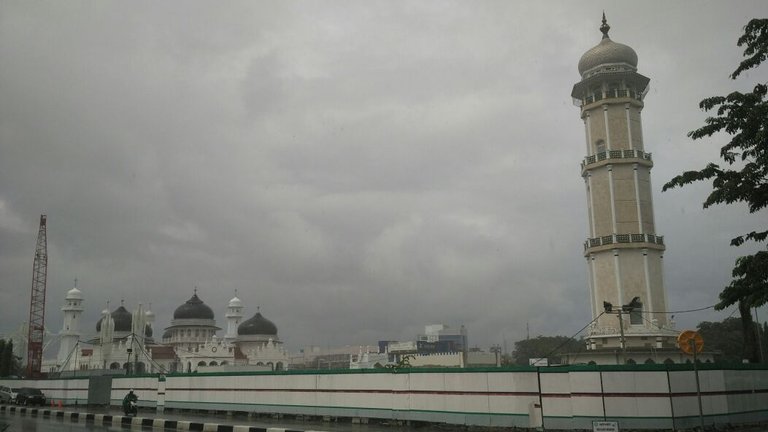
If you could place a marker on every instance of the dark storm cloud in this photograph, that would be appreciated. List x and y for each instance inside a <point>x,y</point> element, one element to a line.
<point>358,170</point>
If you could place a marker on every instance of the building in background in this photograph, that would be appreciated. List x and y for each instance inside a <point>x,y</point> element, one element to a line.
<point>124,341</point>
<point>439,338</point>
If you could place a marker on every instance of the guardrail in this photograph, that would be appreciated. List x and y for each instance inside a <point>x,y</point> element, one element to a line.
<point>623,238</point>
<point>615,154</point>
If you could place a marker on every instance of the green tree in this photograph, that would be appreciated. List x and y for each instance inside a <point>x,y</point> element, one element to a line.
<point>744,178</point>
<point>725,337</point>
<point>8,359</point>
<point>549,347</point>
<point>3,363</point>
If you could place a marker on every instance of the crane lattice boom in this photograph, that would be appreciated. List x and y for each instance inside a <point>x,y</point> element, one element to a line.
<point>37,303</point>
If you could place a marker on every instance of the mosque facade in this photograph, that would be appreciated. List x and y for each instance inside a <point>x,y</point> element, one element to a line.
<point>124,341</point>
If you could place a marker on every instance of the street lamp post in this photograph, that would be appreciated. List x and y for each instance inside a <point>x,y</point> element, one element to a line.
<point>496,349</point>
<point>128,365</point>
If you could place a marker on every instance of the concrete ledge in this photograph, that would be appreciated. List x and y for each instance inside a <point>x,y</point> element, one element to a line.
<point>141,422</point>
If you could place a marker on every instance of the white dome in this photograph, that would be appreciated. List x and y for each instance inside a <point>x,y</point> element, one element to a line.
<point>235,302</point>
<point>74,294</point>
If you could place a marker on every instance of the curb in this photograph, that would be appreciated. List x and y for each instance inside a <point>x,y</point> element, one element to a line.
<point>129,421</point>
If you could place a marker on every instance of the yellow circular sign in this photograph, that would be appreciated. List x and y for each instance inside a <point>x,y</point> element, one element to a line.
<point>688,340</point>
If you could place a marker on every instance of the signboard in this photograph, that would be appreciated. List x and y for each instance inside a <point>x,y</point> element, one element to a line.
<point>690,341</point>
<point>605,426</point>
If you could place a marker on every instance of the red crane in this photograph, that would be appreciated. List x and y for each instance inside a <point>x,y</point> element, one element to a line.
<point>37,304</point>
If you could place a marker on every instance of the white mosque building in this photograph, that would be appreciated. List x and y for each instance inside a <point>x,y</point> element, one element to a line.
<point>124,341</point>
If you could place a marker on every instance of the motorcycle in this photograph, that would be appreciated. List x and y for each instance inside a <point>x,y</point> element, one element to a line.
<point>131,408</point>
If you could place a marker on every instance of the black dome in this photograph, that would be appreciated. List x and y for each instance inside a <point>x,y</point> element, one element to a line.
<point>257,325</point>
<point>122,318</point>
<point>194,308</point>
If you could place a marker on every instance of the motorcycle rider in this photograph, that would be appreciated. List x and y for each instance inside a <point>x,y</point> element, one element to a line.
<point>127,407</point>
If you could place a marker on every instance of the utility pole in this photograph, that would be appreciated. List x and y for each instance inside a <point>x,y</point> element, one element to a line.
<point>759,337</point>
<point>627,308</point>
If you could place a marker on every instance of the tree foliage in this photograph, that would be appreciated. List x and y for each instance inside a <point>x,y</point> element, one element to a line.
<point>3,364</point>
<point>549,347</point>
<point>6,358</point>
<point>726,339</point>
<point>744,116</point>
<point>744,176</point>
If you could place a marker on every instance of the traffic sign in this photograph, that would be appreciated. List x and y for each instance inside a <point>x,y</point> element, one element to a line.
<point>688,340</point>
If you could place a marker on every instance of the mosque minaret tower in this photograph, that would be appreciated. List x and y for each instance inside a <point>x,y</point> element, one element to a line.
<point>70,331</point>
<point>624,253</point>
<point>234,316</point>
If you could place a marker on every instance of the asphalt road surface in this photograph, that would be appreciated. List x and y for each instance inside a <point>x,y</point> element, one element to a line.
<point>23,422</point>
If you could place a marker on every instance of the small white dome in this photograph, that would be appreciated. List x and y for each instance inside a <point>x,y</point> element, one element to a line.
<point>74,294</point>
<point>235,302</point>
<point>149,314</point>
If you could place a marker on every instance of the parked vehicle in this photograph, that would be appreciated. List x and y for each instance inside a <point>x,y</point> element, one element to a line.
<point>30,396</point>
<point>5,395</point>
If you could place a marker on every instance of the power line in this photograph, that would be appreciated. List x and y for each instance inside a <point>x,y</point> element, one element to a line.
<point>569,339</point>
<point>682,311</point>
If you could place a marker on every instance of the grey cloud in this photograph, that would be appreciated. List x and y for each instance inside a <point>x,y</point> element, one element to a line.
<point>357,170</point>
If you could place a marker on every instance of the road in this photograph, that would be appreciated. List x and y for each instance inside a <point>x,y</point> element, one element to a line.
<point>23,422</point>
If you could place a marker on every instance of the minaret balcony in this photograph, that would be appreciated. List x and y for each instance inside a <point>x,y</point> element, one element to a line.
<point>617,241</point>
<point>611,94</point>
<point>615,156</point>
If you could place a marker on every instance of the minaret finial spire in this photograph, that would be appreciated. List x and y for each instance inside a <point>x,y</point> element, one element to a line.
<point>605,27</point>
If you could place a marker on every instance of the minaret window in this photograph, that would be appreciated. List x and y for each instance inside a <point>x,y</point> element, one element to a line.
<point>636,315</point>
<point>600,146</point>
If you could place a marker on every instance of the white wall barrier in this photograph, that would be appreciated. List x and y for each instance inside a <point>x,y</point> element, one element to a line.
<point>638,397</point>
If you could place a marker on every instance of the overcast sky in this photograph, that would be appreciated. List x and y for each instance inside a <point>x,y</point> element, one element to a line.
<point>355,169</point>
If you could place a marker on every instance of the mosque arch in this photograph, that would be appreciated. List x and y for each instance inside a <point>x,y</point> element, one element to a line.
<point>213,363</point>
<point>141,368</point>
<point>631,361</point>
<point>224,363</point>
<point>201,363</point>
<point>669,361</point>
<point>649,361</point>
<point>114,365</point>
